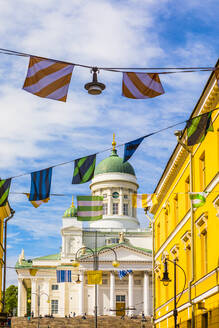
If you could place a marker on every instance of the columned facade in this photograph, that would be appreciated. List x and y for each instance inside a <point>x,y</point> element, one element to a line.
<point>112,294</point>
<point>81,295</point>
<point>22,298</point>
<point>118,235</point>
<point>131,294</point>
<point>146,293</point>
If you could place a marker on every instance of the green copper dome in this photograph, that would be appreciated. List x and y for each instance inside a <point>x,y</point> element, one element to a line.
<point>71,211</point>
<point>114,163</point>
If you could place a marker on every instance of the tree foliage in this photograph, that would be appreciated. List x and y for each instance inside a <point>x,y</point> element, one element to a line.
<point>11,299</point>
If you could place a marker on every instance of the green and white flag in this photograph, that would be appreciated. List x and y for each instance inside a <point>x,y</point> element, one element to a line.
<point>198,199</point>
<point>90,208</point>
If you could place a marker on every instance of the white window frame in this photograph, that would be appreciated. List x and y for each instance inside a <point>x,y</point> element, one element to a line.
<point>126,209</point>
<point>115,208</point>
<point>105,208</point>
<point>54,306</point>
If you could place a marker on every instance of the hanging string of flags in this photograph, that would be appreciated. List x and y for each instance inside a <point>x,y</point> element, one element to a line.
<point>50,78</point>
<point>90,207</point>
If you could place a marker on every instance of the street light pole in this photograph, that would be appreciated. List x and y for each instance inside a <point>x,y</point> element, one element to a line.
<point>166,281</point>
<point>95,254</point>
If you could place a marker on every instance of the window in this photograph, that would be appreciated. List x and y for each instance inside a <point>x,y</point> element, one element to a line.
<point>204,261</point>
<point>120,298</point>
<point>105,208</point>
<point>111,241</point>
<point>176,209</point>
<point>166,223</point>
<point>158,236</point>
<point>189,323</point>
<point>202,172</point>
<point>187,190</point>
<point>115,208</point>
<point>201,224</point>
<point>54,306</point>
<point>204,320</point>
<point>55,287</point>
<point>126,196</point>
<point>125,209</point>
<point>188,264</point>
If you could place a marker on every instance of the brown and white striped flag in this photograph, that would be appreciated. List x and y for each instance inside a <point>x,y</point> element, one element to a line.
<point>141,85</point>
<point>48,78</point>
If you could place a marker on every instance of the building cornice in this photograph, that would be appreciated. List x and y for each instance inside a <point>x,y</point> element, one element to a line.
<point>207,101</point>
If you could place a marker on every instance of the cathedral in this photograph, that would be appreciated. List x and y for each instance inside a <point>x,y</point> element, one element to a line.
<point>116,236</point>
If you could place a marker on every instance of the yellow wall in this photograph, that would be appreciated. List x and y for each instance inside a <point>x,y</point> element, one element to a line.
<point>172,228</point>
<point>4,213</point>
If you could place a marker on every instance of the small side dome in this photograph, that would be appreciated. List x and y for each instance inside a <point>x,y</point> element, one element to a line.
<point>71,211</point>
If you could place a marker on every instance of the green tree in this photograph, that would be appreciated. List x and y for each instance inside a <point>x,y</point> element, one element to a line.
<point>11,299</point>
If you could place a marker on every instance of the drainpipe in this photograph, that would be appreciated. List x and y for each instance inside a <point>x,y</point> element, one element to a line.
<point>192,244</point>
<point>153,274</point>
<point>5,253</point>
<point>178,134</point>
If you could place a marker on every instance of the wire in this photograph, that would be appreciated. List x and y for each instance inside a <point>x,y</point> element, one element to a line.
<point>115,69</point>
<point>122,144</point>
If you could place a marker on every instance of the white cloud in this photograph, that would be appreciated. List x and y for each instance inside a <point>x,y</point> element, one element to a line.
<point>36,133</point>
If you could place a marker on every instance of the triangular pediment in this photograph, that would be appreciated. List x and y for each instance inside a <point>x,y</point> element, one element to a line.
<point>124,253</point>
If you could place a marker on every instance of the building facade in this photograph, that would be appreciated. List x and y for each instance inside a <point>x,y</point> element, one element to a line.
<point>119,231</point>
<point>5,212</point>
<point>186,234</point>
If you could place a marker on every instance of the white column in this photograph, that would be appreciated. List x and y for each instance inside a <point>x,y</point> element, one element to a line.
<point>34,296</point>
<point>112,293</point>
<point>22,298</point>
<point>81,295</point>
<point>121,201</point>
<point>131,293</point>
<point>146,294</point>
<point>61,308</point>
<point>44,298</point>
<point>110,202</point>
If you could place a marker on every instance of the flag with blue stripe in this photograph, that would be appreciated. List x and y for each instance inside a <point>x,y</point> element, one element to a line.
<point>40,184</point>
<point>63,275</point>
<point>130,148</point>
<point>123,273</point>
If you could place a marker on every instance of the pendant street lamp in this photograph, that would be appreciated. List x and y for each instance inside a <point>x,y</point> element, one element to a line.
<point>95,253</point>
<point>94,87</point>
<point>166,280</point>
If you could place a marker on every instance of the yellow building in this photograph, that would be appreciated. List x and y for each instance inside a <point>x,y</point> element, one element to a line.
<point>4,213</point>
<point>191,236</point>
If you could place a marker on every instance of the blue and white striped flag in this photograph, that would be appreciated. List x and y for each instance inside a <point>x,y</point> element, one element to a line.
<point>123,273</point>
<point>63,275</point>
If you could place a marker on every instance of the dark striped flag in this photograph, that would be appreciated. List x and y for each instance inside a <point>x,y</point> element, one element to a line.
<point>198,127</point>
<point>84,169</point>
<point>141,85</point>
<point>130,148</point>
<point>90,208</point>
<point>48,78</point>
<point>4,191</point>
<point>40,184</point>
<point>63,275</point>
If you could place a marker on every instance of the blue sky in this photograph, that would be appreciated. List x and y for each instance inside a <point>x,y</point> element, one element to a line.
<point>37,133</point>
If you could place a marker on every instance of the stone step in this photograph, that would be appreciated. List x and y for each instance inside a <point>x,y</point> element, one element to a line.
<point>78,322</point>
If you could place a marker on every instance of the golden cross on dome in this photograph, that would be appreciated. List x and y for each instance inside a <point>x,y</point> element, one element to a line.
<point>114,142</point>
<point>72,203</point>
